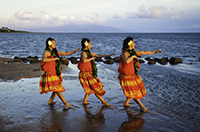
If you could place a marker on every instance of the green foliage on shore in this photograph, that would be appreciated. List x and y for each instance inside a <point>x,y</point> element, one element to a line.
<point>7,30</point>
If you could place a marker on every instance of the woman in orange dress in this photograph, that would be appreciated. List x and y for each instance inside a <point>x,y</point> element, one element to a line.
<point>51,80</point>
<point>130,81</point>
<point>88,73</point>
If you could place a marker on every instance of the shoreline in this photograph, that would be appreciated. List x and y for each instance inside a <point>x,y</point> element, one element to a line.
<point>34,114</point>
<point>24,109</point>
<point>14,70</point>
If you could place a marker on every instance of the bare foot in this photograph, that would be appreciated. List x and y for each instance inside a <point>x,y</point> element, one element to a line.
<point>143,109</point>
<point>51,103</point>
<point>85,103</point>
<point>67,105</point>
<point>126,105</point>
<point>106,104</point>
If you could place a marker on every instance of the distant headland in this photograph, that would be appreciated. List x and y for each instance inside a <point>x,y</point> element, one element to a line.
<point>7,30</point>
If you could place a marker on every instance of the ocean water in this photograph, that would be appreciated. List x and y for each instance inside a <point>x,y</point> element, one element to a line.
<point>172,90</point>
<point>183,45</point>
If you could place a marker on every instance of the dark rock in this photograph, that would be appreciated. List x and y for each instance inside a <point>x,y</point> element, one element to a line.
<point>74,61</point>
<point>166,59</point>
<point>64,61</point>
<point>117,59</point>
<point>98,59</point>
<point>16,57</point>
<point>174,60</point>
<point>151,62</point>
<point>21,58</point>
<point>71,58</point>
<point>148,58</point>
<point>156,59</point>
<point>111,61</point>
<point>141,61</point>
<point>108,57</point>
<point>17,60</point>
<point>30,57</point>
<point>34,61</point>
<point>162,61</point>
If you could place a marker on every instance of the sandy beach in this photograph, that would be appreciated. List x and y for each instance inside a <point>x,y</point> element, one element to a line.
<point>23,109</point>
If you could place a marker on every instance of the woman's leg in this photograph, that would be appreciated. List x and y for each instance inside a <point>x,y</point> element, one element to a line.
<point>85,99</point>
<point>102,100</point>
<point>142,107</point>
<point>53,95</point>
<point>60,95</point>
<point>127,102</point>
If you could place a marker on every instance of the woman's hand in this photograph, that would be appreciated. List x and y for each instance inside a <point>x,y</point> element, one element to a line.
<point>158,51</point>
<point>57,58</point>
<point>76,50</point>
<point>135,57</point>
<point>92,58</point>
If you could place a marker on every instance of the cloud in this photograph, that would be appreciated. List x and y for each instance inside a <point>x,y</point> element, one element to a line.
<point>24,15</point>
<point>154,12</point>
<point>116,16</point>
<point>26,19</point>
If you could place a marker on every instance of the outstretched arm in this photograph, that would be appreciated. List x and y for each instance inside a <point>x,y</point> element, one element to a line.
<point>67,53</point>
<point>140,53</point>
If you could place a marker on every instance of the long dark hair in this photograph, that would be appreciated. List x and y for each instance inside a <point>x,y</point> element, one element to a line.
<point>47,46</point>
<point>55,54</point>
<point>49,39</point>
<point>83,42</point>
<point>125,43</point>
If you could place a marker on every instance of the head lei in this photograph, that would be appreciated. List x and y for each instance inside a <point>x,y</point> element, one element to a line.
<point>130,42</point>
<point>86,43</point>
<point>49,42</point>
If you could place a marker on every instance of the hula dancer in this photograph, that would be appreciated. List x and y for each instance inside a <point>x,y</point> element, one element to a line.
<point>131,83</point>
<point>88,73</point>
<point>51,80</point>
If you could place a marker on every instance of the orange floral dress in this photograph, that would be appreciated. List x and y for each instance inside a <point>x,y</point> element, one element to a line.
<point>131,84</point>
<point>50,81</point>
<point>89,83</point>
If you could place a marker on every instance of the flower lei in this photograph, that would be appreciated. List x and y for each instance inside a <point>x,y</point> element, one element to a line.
<point>58,63</point>
<point>94,68</point>
<point>132,52</point>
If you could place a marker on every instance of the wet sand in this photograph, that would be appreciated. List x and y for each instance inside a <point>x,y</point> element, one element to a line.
<point>11,70</point>
<point>23,109</point>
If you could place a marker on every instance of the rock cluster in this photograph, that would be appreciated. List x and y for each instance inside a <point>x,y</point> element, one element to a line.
<point>107,60</point>
<point>35,59</point>
<point>29,59</point>
<point>164,61</point>
<point>110,60</point>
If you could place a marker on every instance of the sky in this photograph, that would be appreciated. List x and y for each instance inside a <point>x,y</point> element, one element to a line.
<point>101,15</point>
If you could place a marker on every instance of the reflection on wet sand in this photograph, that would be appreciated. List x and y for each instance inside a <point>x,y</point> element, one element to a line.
<point>53,121</point>
<point>135,122</point>
<point>97,117</point>
<point>88,119</point>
